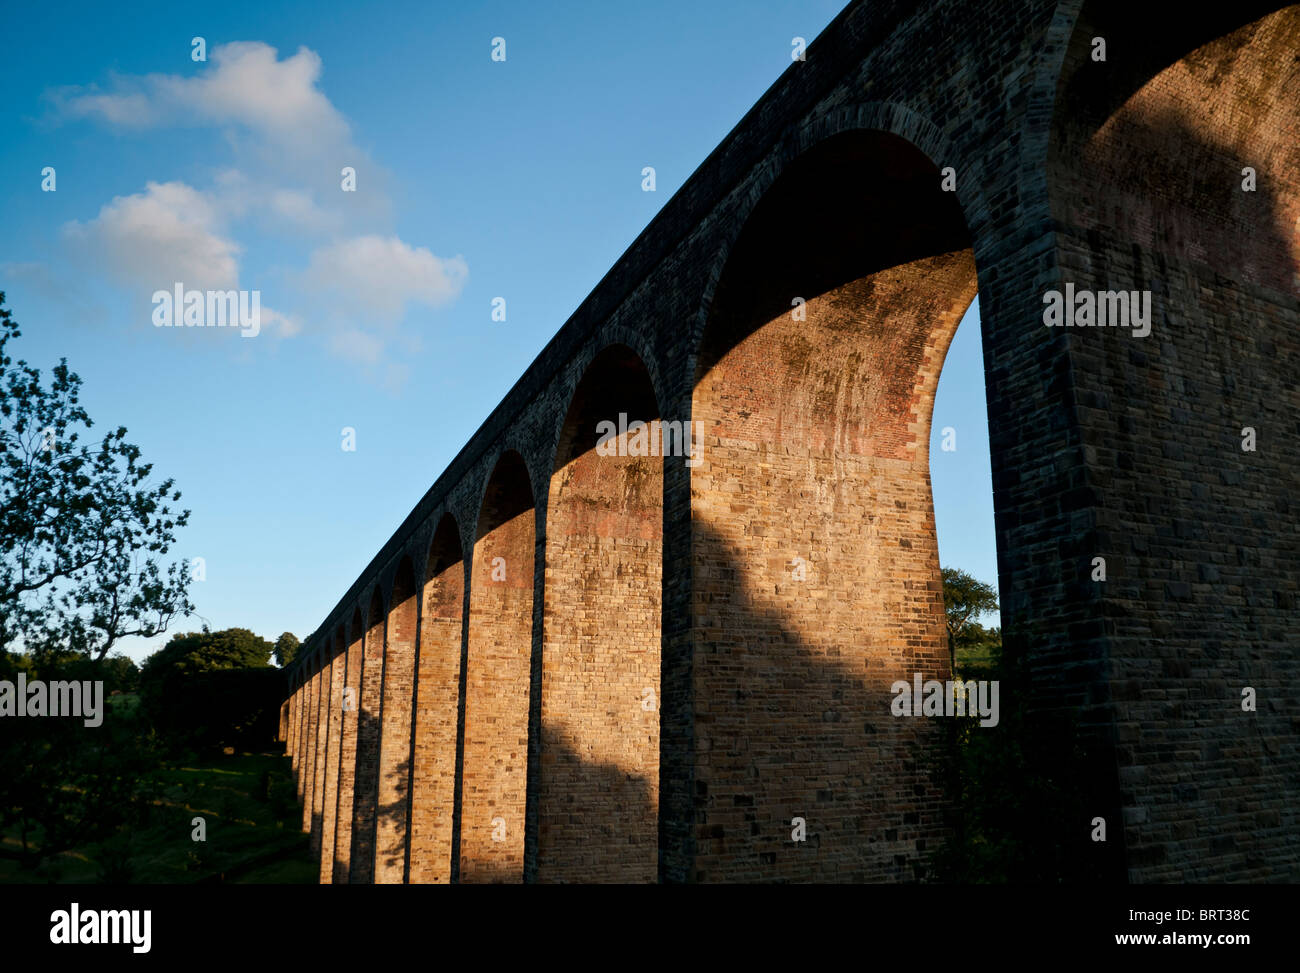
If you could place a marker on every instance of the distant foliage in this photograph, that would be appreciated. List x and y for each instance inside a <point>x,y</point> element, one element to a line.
<point>193,652</point>
<point>205,690</point>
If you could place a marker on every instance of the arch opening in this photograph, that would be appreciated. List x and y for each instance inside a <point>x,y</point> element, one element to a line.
<point>334,709</point>
<point>307,778</point>
<point>323,683</point>
<point>395,744</point>
<point>816,573</point>
<point>598,784</point>
<point>348,736</point>
<point>498,679</point>
<point>437,715</point>
<point>365,800</point>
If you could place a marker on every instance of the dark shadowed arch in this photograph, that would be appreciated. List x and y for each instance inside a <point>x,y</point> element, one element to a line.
<point>295,728</point>
<point>351,706</point>
<point>324,681</point>
<point>337,652</point>
<point>311,723</point>
<point>1150,194</point>
<point>369,720</point>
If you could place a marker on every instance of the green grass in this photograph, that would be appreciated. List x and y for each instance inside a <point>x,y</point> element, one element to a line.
<point>253,830</point>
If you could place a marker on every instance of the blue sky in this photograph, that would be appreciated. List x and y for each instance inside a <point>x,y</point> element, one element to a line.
<point>475,179</point>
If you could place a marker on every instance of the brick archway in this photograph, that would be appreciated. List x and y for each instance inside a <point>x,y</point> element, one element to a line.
<point>498,673</point>
<point>437,743</point>
<point>816,567</point>
<point>598,783</point>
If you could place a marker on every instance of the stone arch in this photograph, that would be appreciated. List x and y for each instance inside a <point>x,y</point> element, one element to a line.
<point>295,725</point>
<point>300,724</point>
<point>350,704</point>
<point>369,720</point>
<point>336,651</point>
<point>324,676</point>
<point>1148,198</point>
<point>439,687</point>
<point>1153,156</point>
<point>859,117</point>
<point>498,678</point>
<point>815,568</point>
<point>394,786</point>
<point>598,781</point>
<point>311,722</point>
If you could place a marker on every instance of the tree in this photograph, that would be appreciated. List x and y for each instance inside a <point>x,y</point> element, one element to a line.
<point>81,529</point>
<point>286,649</point>
<point>964,600</point>
<point>194,652</point>
<point>208,689</point>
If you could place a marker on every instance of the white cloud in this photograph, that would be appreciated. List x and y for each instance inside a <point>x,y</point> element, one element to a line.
<point>286,134</point>
<point>288,143</point>
<point>381,276</point>
<point>244,83</point>
<point>171,232</point>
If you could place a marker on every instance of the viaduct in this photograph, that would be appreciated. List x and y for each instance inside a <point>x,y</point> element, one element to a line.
<point>581,659</point>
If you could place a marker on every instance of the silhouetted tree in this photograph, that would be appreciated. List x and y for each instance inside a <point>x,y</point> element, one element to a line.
<point>81,530</point>
<point>286,649</point>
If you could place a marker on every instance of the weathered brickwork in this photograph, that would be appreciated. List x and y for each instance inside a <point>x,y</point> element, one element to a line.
<point>351,705</point>
<point>365,799</point>
<point>1147,192</point>
<point>334,708</point>
<point>308,777</point>
<point>771,594</point>
<point>292,745</point>
<point>324,688</point>
<point>497,679</point>
<point>300,713</point>
<point>395,745</point>
<point>598,801</point>
<point>437,716</point>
